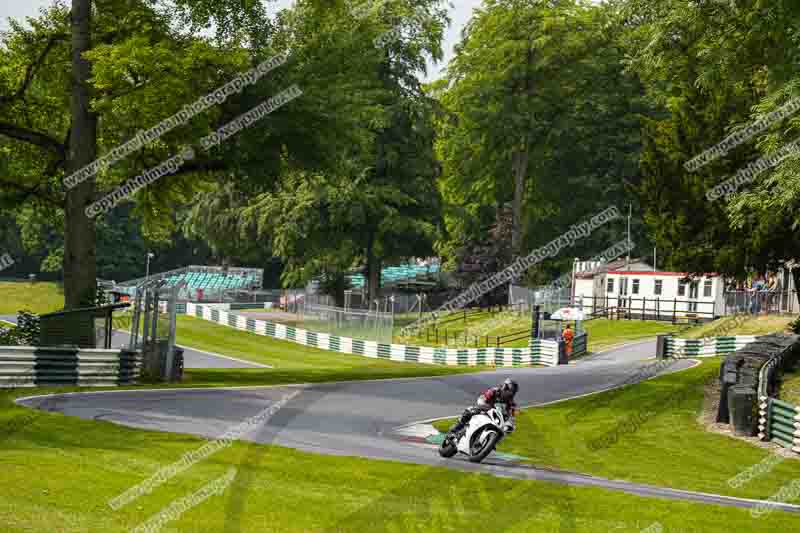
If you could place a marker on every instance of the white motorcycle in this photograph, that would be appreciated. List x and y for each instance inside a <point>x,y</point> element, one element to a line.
<point>482,434</point>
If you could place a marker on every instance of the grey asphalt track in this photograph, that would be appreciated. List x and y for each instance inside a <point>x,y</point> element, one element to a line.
<point>360,418</point>
<point>192,357</point>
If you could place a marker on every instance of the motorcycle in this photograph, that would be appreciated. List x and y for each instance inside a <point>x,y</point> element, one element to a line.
<point>480,437</point>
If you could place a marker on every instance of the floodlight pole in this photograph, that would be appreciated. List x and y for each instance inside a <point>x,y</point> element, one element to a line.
<point>150,255</point>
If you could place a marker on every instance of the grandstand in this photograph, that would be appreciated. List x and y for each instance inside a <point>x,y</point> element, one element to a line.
<point>200,281</point>
<point>408,274</point>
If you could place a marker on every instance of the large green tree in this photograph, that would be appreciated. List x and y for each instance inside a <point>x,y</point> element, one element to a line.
<point>85,77</point>
<point>354,179</point>
<point>541,116</point>
<point>712,68</point>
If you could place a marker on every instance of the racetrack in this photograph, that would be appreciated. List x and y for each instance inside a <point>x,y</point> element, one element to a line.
<point>361,418</point>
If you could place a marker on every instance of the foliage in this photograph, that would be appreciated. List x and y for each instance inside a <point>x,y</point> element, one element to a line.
<point>541,116</point>
<point>795,326</point>
<point>28,328</point>
<point>712,68</point>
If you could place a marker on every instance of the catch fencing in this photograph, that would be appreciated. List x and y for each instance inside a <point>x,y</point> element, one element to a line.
<point>356,323</point>
<point>540,352</point>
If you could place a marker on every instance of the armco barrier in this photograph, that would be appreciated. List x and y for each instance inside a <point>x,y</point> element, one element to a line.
<point>580,344</point>
<point>708,347</point>
<point>779,421</point>
<point>541,352</point>
<point>30,366</point>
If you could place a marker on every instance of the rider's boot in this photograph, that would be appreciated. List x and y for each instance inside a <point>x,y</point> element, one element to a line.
<point>461,424</point>
<point>456,429</point>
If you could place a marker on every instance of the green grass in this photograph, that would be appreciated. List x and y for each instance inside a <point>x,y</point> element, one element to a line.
<point>658,440</point>
<point>790,386</point>
<point>39,297</point>
<point>59,473</point>
<point>736,325</point>
<point>604,333</point>
<point>478,324</point>
<point>293,363</point>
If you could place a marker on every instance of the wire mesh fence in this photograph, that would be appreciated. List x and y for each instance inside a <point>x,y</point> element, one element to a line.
<point>356,323</point>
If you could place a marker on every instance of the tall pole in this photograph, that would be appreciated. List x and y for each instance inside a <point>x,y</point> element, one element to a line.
<point>655,250</point>
<point>572,285</point>
<point>147,267</point>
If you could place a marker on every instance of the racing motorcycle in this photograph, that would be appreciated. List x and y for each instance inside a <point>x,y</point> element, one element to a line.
<point>481,435</point>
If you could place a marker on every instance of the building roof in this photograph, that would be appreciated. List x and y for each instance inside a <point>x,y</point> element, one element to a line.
<point>615,266</point>
<point>660,273</point>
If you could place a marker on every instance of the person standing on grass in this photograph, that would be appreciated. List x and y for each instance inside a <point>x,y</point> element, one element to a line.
<point>568,335</point>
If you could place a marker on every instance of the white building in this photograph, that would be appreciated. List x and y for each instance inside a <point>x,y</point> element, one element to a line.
<point>636,289</point>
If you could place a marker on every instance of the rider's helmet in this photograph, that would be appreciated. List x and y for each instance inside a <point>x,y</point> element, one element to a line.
<point>509,389</point>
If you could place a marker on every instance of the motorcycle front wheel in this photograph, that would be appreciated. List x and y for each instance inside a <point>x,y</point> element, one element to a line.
<point>448,447</point>
<point>478,450</point>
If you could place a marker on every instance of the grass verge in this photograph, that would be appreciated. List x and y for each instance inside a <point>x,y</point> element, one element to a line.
<point>645,433</point>
<point>64,470</point>
<point>740,325</point>
<point>292,363</point>
<point>39,297</point>
<point>604,333</point>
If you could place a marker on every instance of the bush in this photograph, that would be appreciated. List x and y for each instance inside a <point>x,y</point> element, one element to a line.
<point>795,326</point>
<point>8,336</point>
<point>28,328</point>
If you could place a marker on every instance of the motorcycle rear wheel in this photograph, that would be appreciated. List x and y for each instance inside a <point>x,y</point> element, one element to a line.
<point>479,455</point>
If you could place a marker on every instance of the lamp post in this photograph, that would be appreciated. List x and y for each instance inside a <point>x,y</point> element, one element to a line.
<point>150,255</point>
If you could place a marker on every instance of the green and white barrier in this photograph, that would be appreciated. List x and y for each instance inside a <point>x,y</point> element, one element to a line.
<point>780,422</point>
<point>707,347</point>
<point>31,366</point>
<point>542,352</point>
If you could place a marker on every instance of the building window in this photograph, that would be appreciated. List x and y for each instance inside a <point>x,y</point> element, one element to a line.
<point>635,287</point>
<point>658,287</point>
<point>707,288</point>
<point>610,285</point>
<point>681,288</point>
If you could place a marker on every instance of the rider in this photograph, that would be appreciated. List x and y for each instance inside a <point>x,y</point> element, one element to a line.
<point>504,393</point>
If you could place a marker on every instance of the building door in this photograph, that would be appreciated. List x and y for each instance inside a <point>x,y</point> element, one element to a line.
<point>694,289</point>
<point>623,292</point>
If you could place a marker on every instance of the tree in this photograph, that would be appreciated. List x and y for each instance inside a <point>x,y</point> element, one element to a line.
<point>541,116</point>
<point>364,120</point>
<point>706,66</point>
<point>58,115</point>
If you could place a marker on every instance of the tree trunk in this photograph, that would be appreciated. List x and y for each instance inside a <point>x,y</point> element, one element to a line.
<point>373,271</point>
<point>338,293</point>
<point>519,167</point>
<point>80,283</point>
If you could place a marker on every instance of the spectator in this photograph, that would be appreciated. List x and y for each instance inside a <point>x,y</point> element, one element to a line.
<point>568,335</point>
